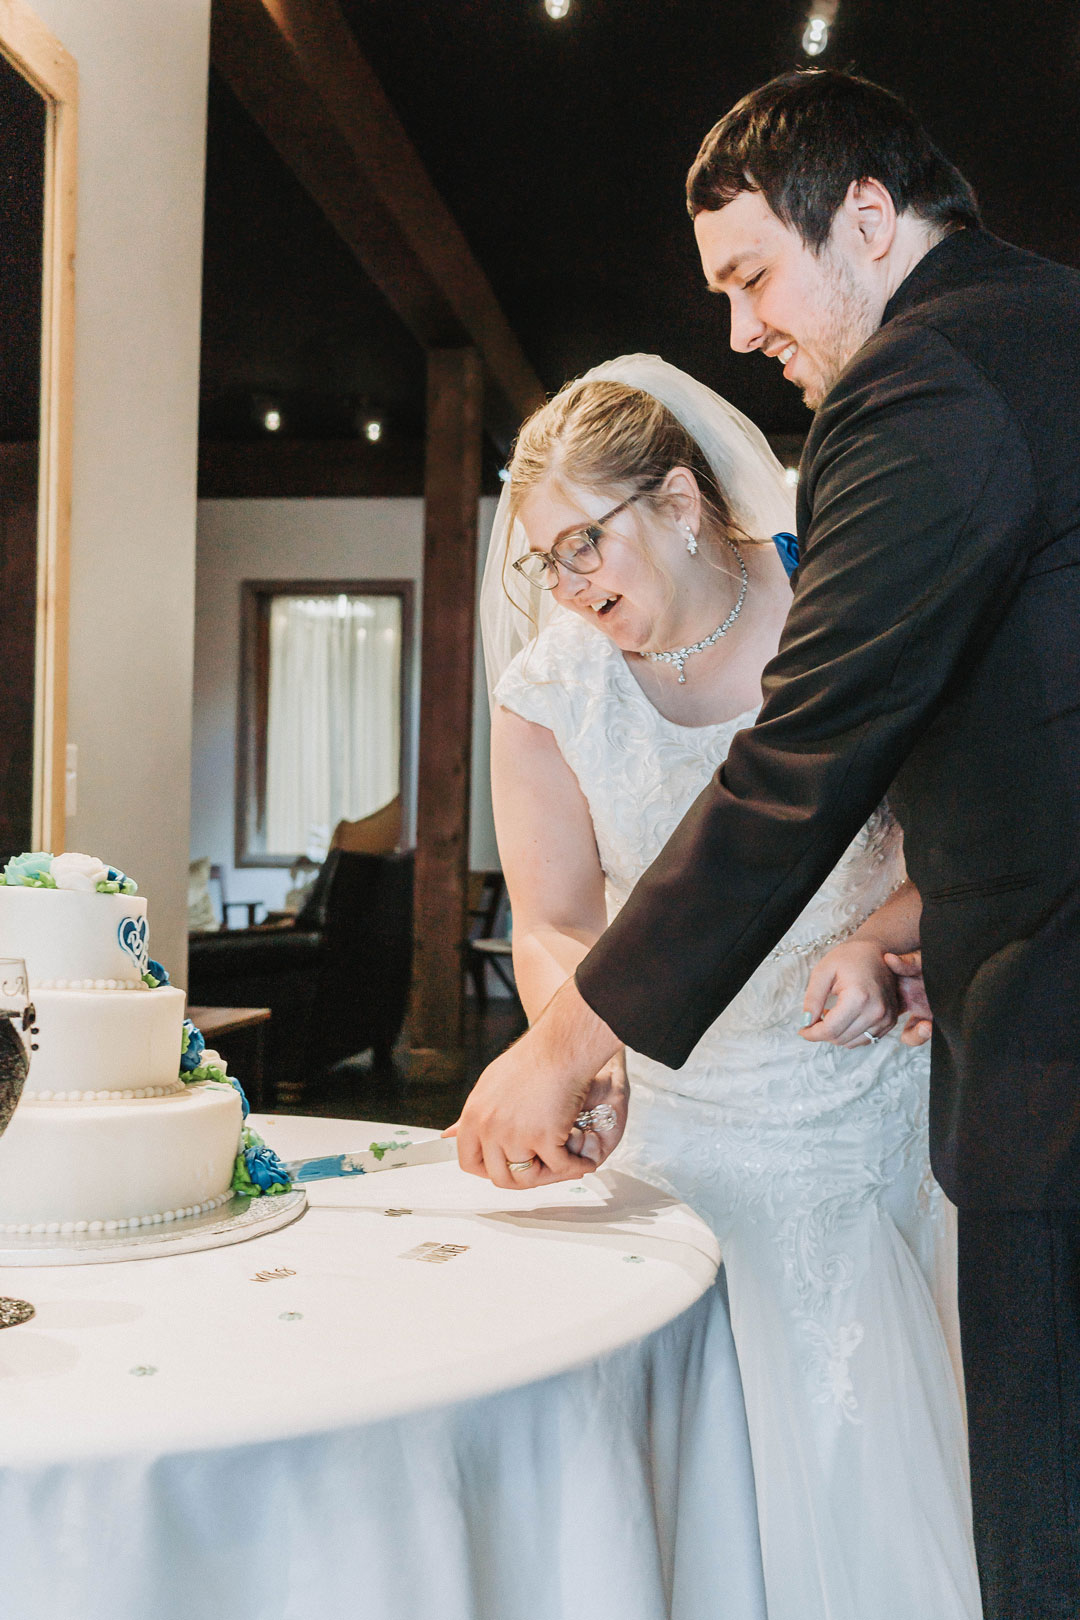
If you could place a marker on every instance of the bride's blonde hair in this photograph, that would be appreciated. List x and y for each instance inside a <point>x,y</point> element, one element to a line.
<point>605,435</point>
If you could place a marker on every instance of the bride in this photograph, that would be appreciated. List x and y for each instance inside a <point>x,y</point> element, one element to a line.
<point>631,601</point>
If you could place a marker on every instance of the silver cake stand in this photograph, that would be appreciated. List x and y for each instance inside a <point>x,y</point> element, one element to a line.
<point>241,1218</point>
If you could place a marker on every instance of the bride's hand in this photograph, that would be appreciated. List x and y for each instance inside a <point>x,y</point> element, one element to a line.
<point>866,1001</point>
<point>610,1087</point>
<point>520,1114</point>
<point>912,991</point>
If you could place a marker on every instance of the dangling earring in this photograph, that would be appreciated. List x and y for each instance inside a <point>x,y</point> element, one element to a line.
<point>691,538</point>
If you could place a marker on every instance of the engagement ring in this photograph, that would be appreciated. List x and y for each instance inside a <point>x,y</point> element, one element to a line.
<point>602,1118</point>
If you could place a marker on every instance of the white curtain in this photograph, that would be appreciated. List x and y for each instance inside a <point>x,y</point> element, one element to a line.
<point>333,724</point>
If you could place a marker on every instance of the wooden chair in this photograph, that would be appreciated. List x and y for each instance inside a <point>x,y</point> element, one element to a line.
<point>250,906</point>
<point>486,948</point>
<point>376,834</point>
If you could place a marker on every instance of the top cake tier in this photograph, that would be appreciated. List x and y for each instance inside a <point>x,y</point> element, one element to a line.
<point>73,940</point>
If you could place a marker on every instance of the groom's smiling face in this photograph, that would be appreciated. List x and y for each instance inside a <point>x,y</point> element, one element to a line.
<point>809,311</point>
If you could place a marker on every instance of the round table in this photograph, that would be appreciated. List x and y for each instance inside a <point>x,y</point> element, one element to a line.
<point>427,1399</point>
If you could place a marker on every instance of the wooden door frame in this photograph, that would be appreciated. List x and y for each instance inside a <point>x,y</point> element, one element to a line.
<point>40,58</point>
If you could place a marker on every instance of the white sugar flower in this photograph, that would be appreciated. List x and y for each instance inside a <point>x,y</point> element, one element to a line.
<point>81,872</point>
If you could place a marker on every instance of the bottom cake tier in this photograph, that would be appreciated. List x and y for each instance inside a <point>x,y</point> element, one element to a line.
<point>95,1166</point>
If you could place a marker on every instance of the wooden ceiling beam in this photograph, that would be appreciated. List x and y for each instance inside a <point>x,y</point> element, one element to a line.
<point>296,67</point>
<point>306,468</point>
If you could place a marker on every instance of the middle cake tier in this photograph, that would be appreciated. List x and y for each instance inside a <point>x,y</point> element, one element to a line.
<point>136,1162</point>
<point>93,1041</point>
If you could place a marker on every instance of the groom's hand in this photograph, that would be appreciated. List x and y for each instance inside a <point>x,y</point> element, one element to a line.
<point>912,991</point>
<point>522,1108</point>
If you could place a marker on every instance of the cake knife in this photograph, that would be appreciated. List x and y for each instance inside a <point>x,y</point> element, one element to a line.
<point>390,1156</point>
<point>381,1157</point>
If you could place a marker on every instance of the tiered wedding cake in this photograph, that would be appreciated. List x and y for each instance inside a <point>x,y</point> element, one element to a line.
<point>108,1134</point>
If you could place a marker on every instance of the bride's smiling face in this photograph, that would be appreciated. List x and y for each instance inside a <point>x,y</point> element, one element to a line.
<point>637,592</point>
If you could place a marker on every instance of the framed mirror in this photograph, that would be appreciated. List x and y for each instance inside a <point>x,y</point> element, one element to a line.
<point>325,713</point>
<point>38,111</point>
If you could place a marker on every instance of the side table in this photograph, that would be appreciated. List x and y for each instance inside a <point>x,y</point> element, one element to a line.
<point>239,1034</point>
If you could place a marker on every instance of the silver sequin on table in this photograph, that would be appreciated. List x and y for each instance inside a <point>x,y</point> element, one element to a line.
<point>15,1311</point>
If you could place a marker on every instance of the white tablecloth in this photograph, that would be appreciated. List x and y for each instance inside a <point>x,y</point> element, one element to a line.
<point>546,1426</point>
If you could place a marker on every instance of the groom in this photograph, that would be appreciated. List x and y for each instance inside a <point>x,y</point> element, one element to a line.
<point>932,652</point>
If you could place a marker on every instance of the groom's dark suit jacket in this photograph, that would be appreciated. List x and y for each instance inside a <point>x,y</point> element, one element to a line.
<point>932,654</point>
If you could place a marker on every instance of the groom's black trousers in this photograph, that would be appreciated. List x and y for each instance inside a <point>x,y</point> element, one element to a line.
<point>1020,1323</point>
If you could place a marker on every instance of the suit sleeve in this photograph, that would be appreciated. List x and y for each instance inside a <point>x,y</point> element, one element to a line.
<point>921,491</point>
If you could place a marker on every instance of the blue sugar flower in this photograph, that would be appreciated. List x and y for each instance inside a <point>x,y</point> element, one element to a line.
<point>155,975</point>
<point>238,1088</point>
<point>31,871</point>
<point>192,1044</point>
<point>258,1169</point>
<point>266,1169</point>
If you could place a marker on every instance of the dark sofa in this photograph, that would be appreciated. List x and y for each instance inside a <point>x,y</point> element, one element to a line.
<point>336,980</point>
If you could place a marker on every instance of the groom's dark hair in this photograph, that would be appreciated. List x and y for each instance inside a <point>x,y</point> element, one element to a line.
<point>804,137</point>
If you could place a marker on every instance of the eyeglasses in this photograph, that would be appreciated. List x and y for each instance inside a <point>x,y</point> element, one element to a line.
<point>578,553</point>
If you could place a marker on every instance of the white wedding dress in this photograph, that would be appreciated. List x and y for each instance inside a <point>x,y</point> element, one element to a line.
<point>811,1165</point>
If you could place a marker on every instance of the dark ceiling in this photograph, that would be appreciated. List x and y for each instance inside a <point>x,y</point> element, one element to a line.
<point>561,148</point>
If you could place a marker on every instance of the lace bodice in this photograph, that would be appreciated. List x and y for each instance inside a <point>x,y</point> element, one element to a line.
<point>640,772</point>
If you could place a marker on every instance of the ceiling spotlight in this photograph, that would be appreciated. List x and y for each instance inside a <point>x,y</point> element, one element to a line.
<point>271,421</point>
<point>816,33</point>
<point>557,8</point>
<point>815,36</point>
<point>373,430</point>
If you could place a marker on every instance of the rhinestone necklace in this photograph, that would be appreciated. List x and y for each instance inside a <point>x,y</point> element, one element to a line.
<point>679,655</point>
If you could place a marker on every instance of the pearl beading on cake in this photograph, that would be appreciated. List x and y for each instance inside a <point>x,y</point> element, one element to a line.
<point>171,1090</point>
<point>66,1228</point>
<point>88,984</point>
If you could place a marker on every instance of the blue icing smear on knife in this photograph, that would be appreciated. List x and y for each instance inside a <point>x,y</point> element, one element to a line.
<point>342,1164</point>
<point>335,1164</point>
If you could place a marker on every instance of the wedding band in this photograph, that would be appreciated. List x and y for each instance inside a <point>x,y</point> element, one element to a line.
<point>518,1167</point>
<point>873,1039</point>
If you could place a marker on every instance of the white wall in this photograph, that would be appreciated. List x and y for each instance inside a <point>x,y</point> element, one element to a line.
<point>296,539</point>
<point>142,133</point>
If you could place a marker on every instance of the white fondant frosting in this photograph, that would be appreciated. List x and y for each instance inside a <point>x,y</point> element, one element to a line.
<point>65,934</point>
<point>107,1136</point>
<point>38,1228</point>
<point>120,1161</point>
<point>103,1040</point>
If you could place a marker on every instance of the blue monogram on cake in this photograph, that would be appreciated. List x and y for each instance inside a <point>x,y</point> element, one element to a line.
<point>134,937</point>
